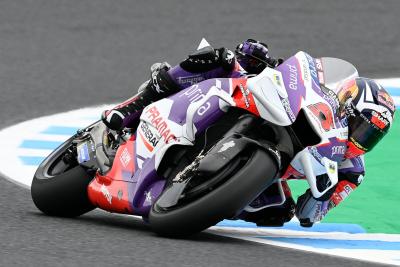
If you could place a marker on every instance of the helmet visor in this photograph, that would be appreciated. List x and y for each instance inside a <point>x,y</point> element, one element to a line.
<point>363,133</point>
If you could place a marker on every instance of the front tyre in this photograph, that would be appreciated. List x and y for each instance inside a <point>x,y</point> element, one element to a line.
<point>224,201</point>
<point>59,188</point>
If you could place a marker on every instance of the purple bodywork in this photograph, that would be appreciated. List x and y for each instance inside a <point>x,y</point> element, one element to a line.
<point>146,181</point>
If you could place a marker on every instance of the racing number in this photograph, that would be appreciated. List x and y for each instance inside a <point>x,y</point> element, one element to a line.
<point>323,113</point>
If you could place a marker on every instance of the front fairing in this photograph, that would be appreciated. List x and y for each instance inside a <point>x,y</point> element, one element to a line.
<point>303,83</point>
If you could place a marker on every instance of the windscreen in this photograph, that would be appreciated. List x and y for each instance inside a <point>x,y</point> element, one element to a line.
<point>336,71</point>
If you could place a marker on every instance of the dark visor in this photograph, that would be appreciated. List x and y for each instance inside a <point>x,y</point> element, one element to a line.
<point>364,133</point>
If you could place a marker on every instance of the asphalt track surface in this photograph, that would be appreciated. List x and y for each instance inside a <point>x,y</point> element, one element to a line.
<point>61,55</point>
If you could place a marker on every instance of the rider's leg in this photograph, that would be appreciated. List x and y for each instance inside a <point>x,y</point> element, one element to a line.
<point>159,86</point>
<point>272,216</point>
<point>203,64</point>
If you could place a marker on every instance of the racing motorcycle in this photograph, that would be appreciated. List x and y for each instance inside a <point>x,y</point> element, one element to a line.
<point>205,153</point>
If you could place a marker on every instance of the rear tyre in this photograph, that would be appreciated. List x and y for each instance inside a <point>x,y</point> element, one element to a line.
<point>224,201</point>
<point>60,189</point>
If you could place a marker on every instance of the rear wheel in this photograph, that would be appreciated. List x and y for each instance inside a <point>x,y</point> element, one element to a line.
<point>212,199</point>
<point>59,187</point>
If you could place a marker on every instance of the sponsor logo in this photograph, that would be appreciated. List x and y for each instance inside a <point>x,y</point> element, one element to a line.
<point>385,99</point>
<point>195,94</point>
<point>347,188</point>
<point>160,124</point>
<point>379,120</point>
<point>345,192</point>
<point>245,94</point>
<point>314,152</point>
<point>190,79</point>
<point>226,146</point>
<point>321,208</point>
<point>312,67</point>
<point>148,197</point>
<point>149,135</point>
<point>106,193</point>
<point>292,76</point>
<point>331,98</point>
<point>332,102</point>
<point>125,158</point>
<point>306,70</point>
<point>288,109</point>
<point>357,144</point>
<point>338,150</point>
<point>331,168</point>
<point>277,79</point>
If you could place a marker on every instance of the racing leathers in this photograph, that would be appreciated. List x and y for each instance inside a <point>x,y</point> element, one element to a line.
<point>350,173</point>
<point>204,64</point>
<point>210,63</point>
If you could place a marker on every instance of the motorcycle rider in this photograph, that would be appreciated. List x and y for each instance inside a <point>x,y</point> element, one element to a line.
<point>368,111</point>
<point>368,122</point>
<point>206,63</point>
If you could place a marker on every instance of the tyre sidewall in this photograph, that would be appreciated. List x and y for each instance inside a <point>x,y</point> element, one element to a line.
<point>223,202</point>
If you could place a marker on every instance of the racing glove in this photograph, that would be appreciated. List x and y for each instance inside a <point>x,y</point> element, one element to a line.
<point>310,210</point>
<point>208,59</point>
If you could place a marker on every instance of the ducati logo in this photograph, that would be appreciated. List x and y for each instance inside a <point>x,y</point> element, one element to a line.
<point>226,146</point>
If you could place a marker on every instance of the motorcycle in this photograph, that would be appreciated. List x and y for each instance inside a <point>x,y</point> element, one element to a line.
<point>205,153</point>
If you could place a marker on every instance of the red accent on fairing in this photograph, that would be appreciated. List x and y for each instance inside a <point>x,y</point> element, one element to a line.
<point>292,173</point>
<point>286,189</point>
<point>353,151</point>
<point>146,143</point>
<point>243,97</point>
<point>111,191</point>
<point>324,114</point>
<point>342,191</point>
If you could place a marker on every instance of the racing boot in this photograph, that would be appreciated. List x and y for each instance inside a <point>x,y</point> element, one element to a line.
<point>206,63</point>
<point>127,114</point>
<point>273,216</point>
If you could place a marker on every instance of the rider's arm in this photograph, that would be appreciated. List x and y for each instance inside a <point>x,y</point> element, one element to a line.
<point>310,210</point>
<point>204,64</point>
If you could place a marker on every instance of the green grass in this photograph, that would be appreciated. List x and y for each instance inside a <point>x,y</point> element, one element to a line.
<point>375,204</point>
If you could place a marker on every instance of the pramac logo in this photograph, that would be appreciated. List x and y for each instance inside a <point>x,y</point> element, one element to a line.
<point>160,124</point>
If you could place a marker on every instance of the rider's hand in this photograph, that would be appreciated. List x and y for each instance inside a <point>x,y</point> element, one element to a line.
<point>226,58</point>
<point>113,119</point>
<point>310,210</point>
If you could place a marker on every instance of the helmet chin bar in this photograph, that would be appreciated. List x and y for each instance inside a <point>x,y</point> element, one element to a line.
<point>353,151</point>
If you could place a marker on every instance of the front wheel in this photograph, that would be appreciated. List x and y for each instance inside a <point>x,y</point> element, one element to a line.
<point>59,188</point>
<point>223,200</point>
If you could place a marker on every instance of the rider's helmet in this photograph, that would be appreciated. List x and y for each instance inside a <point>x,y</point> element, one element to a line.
<point>252,55</point>
<point>369,110</point>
